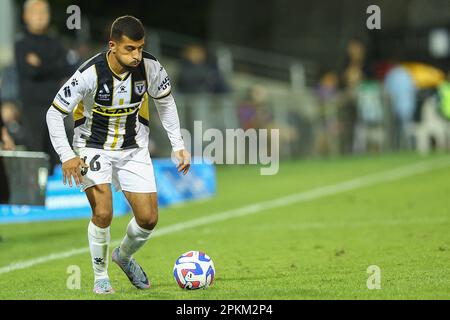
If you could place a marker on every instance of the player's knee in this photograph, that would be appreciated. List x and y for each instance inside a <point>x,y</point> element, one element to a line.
<point>102,218</point>
<point>150,222</point>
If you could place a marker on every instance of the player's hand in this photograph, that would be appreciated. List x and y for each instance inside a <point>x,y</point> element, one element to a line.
<point>184,161</point>
<point>72,169</point>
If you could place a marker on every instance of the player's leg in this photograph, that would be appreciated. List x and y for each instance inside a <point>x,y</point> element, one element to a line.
<point>145,209</point>
<point>100,199</point>
<point>97,186</point>
<point>136,178</point>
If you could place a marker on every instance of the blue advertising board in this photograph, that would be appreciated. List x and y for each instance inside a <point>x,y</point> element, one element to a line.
<point>63,202</point>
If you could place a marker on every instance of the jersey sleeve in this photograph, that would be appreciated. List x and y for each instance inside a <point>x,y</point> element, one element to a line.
<point>158,80</point>
<point>71,93</point>
<point>167,110</point>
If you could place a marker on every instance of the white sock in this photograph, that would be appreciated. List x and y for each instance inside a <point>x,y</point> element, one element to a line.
<point>99,239</point>
<point>135,238</point>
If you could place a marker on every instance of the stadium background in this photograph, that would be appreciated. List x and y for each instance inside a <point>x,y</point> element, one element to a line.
<point>287,65</point>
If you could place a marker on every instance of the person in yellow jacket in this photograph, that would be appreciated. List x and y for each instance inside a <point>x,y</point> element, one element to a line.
<point>425,76</point>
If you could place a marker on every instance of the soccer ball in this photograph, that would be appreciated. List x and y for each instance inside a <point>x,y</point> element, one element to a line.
<point>194,270</point>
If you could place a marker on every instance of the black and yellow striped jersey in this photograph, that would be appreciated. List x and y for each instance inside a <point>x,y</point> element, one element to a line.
<point>110,110</point>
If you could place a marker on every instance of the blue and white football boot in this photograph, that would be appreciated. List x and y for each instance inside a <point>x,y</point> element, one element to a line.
<point>132,269</point>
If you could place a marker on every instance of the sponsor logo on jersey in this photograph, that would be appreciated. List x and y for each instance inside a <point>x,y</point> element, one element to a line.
<point>67,92</point>
<point>164,84</point>
<point>64,101</point>
<point>108,111</point>
<point>139,87</point>
<point>104,93</point>
<point>74,82</point>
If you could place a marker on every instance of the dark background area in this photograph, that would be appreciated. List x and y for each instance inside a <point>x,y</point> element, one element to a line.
<point>308,30</point>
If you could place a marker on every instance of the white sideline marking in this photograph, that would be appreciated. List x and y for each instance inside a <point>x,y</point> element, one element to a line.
<point>320,192</point>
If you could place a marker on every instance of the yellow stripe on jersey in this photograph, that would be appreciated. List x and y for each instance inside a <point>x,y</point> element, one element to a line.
<point>59,108</point>
<point>144,112</point>
<point>107,111</point>
<point>116,129</point>
<point>116,133</point>
<point>78,111</point>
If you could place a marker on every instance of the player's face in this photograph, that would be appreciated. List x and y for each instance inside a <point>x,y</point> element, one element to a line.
<point>127,52</point>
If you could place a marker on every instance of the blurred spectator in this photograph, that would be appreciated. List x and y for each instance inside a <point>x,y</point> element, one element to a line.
<point>199,79</point>
<point>5,138</point>
<point>431,133</point>
<point>6,143</point>
<point>12,121</point>
<point>327,93</point>
<point>327,88</point>
<point>198,73</point>
<point>355,70</point>
<point>402,94</point>
<point>370,130</point>
<point>426,78</point>
<point>444,97</point>
<point>10,83</point>
<point>253,112</point>
<point>41,64</point>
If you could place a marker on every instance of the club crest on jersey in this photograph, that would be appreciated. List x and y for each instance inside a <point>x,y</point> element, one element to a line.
<point>140,87</point>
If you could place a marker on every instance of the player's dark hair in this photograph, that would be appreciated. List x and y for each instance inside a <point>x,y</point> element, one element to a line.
<point>127,26</point>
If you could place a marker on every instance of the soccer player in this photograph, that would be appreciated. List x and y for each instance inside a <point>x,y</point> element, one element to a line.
<point>109,97</point>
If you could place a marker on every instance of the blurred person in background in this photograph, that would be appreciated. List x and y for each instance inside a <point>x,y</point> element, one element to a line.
<point>444,97</point>
<point>41,65</point>
<point>327,92</point>
<point>198,73</point>
<point>6,143</point>
<point>12,122</point>
<point>5,138</point>
<point>199,79</point>
<point>355,70</point>
<point>10,83</point>
<point>408,85</point>
<point>253,112</point>
<point>401,92</point>
<point>427,79</point>
<point>370,125</point>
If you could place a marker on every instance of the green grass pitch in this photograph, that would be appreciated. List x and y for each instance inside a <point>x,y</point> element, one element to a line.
<point>313,249</point>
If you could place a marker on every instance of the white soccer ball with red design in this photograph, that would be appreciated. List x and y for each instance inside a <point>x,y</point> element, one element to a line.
<point>194,270</point>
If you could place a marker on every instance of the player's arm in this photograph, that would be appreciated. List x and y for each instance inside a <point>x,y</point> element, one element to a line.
<point>160,90</point>
<point>168,114</point>
<point>71,93</point>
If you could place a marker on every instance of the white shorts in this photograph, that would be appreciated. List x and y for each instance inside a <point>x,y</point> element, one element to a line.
<point>128,170</point>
